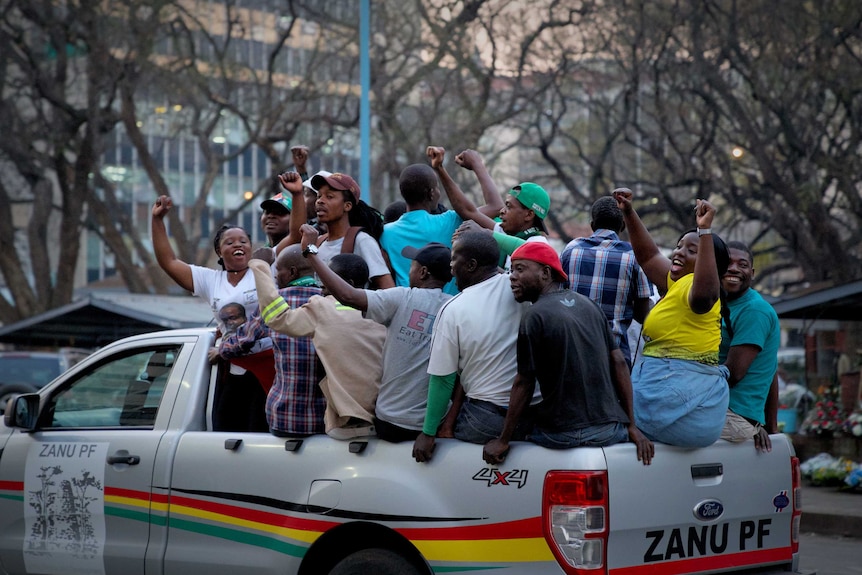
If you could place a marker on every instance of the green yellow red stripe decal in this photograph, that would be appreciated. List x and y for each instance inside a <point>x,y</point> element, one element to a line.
<point>15,489</point>
<point>240,537</point>
<point>452,547</point>
<point>508,542</point>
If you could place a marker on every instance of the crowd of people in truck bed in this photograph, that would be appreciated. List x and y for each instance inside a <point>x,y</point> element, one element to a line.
<point>424,322</point>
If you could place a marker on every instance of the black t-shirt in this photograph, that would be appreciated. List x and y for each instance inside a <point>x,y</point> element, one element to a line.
<point>564,341</point>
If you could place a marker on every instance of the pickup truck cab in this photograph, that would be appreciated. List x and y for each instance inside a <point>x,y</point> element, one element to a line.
<point>114,468</point>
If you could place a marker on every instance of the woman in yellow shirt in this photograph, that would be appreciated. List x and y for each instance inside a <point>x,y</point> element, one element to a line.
<point>680,390</point>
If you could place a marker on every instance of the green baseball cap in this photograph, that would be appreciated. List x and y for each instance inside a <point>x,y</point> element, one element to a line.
<point>533,197</point>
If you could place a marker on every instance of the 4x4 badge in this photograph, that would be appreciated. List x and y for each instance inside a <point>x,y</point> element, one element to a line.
<point>493,476</point>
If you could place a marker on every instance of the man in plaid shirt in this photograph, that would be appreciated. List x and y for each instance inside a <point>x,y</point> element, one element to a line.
<point>603,268</point>
<point>295,405</point>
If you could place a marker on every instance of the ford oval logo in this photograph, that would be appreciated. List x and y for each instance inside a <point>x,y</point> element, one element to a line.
<point>709,510</point>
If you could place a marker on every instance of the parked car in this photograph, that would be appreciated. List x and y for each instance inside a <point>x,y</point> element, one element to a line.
<point>29,371</point>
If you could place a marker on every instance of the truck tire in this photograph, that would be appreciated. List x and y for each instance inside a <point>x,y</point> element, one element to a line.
<point>378,561</point>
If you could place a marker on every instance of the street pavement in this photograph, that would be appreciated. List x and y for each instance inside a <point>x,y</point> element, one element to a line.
<point>828,555</point>
<point>831,511</point>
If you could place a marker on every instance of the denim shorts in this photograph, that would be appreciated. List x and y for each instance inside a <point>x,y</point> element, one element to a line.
<point>481,421</point>
<point>680,402</point>
<point>594,436</point>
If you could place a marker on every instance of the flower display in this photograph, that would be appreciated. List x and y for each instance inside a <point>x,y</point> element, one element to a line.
<point>853,425</point>
<point>824,418</point>
<point>824,469</point>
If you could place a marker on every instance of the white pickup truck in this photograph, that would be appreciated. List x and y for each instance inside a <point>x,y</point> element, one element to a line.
<point>113,468</point>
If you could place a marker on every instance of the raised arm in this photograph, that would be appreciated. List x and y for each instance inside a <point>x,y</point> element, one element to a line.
<point>654,265</point>
<point>460,203</point>
<point>292,183</point>
<point>274,309</point>
<point>706,288</point>
<point>299,154</point>
<point>471,160</point>
<point>343,291</point>
<point>177,269</point>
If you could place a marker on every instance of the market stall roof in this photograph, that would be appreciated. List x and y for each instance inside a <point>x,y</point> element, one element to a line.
<point>99,318</point>
<point>843,303</point>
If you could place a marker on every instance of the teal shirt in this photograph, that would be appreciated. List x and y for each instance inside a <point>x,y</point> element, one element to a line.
<point>417,228</point>
<point>754,322</point>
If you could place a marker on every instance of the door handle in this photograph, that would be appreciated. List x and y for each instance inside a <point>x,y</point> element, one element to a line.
<point>123,458</point>
<point>703,470</point>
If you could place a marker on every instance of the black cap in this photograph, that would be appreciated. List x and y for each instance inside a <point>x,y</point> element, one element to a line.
<point>434,256</point>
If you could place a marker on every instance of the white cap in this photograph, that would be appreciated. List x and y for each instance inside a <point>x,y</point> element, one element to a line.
<point>307,183</point>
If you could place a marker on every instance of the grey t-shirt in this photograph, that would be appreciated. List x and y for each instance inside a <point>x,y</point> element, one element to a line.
<point>409,315</point>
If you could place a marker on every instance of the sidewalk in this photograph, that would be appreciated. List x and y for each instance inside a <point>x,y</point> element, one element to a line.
<point>828,511</point>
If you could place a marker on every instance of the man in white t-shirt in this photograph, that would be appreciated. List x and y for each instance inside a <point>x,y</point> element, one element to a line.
<point>475,338</point>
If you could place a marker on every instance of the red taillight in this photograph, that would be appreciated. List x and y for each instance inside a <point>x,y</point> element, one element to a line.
<point>575,519</point>
<point>796,519</point>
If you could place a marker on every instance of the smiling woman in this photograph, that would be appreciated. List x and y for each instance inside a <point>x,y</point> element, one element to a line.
<point>231,244</point>
<point>680,391</point>
<point>238,406</point>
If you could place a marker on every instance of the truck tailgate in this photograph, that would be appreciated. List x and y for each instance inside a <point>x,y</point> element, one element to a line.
<point>699,511</point>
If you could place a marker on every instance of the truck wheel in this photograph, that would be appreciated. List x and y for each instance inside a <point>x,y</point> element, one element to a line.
<point>377,561</point>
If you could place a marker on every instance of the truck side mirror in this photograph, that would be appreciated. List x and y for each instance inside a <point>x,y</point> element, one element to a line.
<point>22,412</point>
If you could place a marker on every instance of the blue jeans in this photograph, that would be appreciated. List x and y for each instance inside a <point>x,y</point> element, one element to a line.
<point>481,421</point>
<point>680,402</point>
<point>594,436</point>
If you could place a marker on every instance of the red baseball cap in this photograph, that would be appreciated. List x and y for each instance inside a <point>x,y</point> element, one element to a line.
<point>542,253</point>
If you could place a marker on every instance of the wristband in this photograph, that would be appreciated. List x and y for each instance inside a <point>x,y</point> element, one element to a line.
<point>704,231</point>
